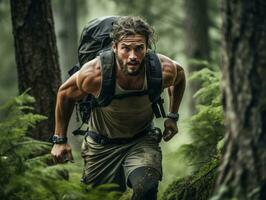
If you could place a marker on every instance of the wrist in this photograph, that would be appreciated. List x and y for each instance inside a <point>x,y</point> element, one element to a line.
<point>59,139</point>
<point>173,116</point>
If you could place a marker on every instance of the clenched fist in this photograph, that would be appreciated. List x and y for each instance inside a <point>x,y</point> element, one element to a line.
<point>62,153</point>
<point>170,129</point>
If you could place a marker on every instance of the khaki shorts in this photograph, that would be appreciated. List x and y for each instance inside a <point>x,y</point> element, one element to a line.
<point>112,163</point>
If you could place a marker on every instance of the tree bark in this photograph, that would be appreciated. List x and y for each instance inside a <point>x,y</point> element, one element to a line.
<point>197,46</point>
<point>37,58</point>
<point>243,169</point>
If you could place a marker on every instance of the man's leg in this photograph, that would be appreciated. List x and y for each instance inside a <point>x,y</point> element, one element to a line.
<point>144,182</point>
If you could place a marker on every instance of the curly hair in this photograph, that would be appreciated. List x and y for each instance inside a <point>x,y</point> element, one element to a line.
<point>131,25</point>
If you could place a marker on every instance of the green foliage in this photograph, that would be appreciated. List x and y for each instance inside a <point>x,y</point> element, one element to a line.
<point>206,127</point>
<point>197,187</point>
<point>13,128</point>
<point>26,167</point>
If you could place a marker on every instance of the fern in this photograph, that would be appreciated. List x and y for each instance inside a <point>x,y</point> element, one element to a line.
<point>206,130</point>
<point>26,167</point>
<point>206,127</point>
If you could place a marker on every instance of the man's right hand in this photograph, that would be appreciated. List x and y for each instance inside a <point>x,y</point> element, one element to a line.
<point>62,153</point>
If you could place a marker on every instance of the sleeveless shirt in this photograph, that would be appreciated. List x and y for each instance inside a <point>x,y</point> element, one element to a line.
<point>123,118</point>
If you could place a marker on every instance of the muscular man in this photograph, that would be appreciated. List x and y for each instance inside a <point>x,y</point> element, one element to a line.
<point>137,162</point>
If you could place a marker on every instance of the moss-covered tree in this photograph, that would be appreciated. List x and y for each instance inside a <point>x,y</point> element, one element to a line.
<point>243,174</point>
<point>37,58</point>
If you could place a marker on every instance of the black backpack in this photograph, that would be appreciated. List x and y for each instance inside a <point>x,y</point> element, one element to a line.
<point>95,41</point>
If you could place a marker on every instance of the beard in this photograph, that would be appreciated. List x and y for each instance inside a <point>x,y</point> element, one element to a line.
<point>129,71</point>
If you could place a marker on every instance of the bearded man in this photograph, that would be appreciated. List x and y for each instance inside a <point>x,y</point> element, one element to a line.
<point>120,146</point>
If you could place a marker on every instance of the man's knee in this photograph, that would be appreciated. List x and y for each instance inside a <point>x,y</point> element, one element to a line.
<point>144,189</point>
<point>144,182</point>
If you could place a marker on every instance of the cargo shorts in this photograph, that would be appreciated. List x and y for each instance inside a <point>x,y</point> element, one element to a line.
<point>113,163</point>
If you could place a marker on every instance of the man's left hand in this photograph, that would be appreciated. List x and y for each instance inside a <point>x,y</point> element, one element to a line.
<point>170,129</point>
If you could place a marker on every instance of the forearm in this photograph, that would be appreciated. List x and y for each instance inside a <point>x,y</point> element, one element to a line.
<point>67,95</point>
<point>176,92</point>
<point>63,112</point>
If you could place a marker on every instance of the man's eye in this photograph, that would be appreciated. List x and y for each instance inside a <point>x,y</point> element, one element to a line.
<point>138,49</point>
<point>126,49</point>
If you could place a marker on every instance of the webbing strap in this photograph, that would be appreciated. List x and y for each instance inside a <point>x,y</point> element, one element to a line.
<point>155,79</point>
<point>108,78</point>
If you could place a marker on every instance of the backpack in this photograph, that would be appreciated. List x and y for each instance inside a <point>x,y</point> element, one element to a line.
<point>95,41</point>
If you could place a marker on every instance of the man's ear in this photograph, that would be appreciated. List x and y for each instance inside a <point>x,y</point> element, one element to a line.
<point>114,46</point>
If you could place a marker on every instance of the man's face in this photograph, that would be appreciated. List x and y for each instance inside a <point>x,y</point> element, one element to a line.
<point>130,52</point>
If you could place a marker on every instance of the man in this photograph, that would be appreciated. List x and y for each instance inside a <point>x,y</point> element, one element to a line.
<point>136,162</point>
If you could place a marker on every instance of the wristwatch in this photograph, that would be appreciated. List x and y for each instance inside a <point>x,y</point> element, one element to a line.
<point>59,139</point>
<point>174,116</point>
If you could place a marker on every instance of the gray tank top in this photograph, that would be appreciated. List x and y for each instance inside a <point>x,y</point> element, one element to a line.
<point>123,118</point>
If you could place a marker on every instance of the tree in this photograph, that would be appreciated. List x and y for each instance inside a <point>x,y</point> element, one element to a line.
<point>37,58</point>
<point>197,46</point>
<point>138,7</point>
<point>8,74</point>
<point>66,20</point>
<point>196,27</point>
<point>243,174</point>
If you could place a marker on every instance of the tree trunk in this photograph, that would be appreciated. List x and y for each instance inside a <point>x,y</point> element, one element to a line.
<point>67,34</point>
<point>37,58</point>
<point>243,169</point>
<point>139,8</point>
<point>197,39</point>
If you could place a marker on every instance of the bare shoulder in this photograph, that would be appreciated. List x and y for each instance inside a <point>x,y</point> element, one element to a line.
<point>89,76</point>
<point>170,69</point>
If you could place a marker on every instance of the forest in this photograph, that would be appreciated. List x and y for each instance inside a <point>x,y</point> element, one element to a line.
<point>219,152</point>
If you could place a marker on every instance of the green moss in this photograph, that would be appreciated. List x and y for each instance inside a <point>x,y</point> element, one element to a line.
<point>197,187</point>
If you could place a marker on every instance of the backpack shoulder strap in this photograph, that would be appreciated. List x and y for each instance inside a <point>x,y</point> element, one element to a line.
<point>108,78</point>
<point>155,83</point>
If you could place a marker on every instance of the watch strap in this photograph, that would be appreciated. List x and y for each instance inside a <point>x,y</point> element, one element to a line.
<point>59,139</point>
<point>174,116</point>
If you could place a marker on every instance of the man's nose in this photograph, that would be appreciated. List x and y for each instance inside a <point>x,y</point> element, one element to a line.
<point>132,55</point>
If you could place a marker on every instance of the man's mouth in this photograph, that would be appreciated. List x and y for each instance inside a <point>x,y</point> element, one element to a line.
<point>133,63</point>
